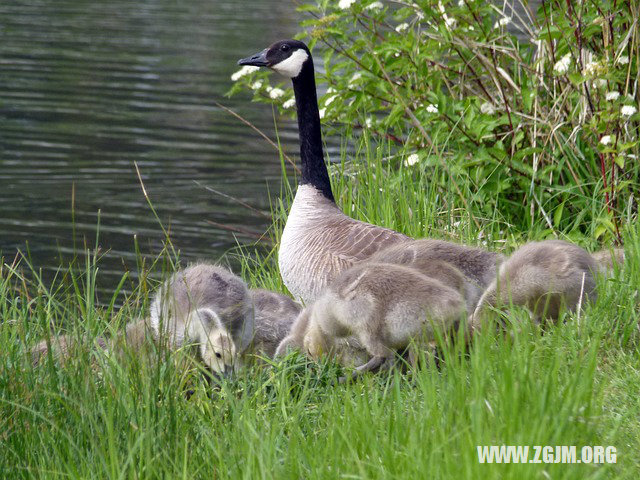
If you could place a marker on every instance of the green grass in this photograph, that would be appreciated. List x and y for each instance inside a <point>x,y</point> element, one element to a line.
<point>100,416</point>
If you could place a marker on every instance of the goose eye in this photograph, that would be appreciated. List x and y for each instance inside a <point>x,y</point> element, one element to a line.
<point>284,48</point>
<point>218,354</point>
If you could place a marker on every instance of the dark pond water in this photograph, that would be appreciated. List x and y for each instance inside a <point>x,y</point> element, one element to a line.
<point>88,89</point>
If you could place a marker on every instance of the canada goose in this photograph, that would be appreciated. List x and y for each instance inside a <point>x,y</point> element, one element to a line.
<point>274,316</point>
<point>318,241</point>
<point>543,276</point>
<point>209,306</point>
<point>385,307</point>
<point>467,269</point>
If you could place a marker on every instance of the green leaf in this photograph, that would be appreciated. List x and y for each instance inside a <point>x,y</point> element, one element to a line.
<point>557,215</point>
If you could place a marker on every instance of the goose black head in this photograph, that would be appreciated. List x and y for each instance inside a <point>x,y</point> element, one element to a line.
<point>286,57</point>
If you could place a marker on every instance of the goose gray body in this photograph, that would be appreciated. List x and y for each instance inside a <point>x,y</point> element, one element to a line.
<point>62,347</point>
<point>274,316</point>
<point>544,277</point>
<point>319,242</point>
<point>608,260</point>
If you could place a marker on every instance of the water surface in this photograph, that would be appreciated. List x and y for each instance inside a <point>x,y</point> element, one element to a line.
<point>89,89</point>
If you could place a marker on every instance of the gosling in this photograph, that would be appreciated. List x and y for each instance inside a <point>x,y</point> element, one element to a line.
<point>275,313</point>
<point>607,260</point>
<point>434,258</point>
<point>467,269</point>
<point>60,347</point>
<point>209,306</point>
<point>185,295</point>
<point>385,307</point>
<point>347,351</point>
<point>544,277</point>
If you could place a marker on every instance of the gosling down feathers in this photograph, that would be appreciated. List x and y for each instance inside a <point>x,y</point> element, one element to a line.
<point>209,306</point>
<point>385,307</point>
<point>470,270</point>
<point>205,305</point>
<point>274,316</point>
<point>544,277</point>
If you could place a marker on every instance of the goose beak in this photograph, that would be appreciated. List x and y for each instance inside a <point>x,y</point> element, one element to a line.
<point>257,60</point>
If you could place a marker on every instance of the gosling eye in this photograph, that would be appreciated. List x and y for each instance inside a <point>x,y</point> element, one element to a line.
<point>285,48</point>
<point>218,354</point>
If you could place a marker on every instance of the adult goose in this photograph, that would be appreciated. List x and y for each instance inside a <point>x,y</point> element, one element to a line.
<point>319,241</point>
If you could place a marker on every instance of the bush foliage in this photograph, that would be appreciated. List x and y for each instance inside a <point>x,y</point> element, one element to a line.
<point>533,112</point>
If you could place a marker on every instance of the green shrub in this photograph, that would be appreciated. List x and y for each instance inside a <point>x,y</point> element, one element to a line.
<point>542,126</point>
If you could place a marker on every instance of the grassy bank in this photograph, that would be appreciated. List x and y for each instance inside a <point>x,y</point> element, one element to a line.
<point>510,142</point>
<point>100,416</point>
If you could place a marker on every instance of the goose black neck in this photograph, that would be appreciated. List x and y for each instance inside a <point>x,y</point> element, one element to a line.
<point>314,170</point>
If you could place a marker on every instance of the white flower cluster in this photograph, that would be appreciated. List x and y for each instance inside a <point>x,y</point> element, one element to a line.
<point>276,93</point>
<point>562,65</point>
<point>246,70</point>
<point>375,6</point>
<point>605,140</point>
<point>354,78</point>
<point>411,160</point>
<point>344,4</point>
<point>448,21</point>
<point>330,99</point>
<point>289,103</point>
<point>488,108</point>
<point>432,108</point>
<point>402,27</point>
<point>628,110</point>
<point>611,96</point>
<point>503,22</point>
<point>591,68</point>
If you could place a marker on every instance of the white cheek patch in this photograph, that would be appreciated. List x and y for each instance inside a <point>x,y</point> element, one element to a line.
<point>292,66</point>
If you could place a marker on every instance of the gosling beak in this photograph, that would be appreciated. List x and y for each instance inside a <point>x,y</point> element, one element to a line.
<point>257,60</point>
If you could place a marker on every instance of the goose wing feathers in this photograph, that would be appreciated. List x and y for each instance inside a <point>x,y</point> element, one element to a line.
<point>354,241</point>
